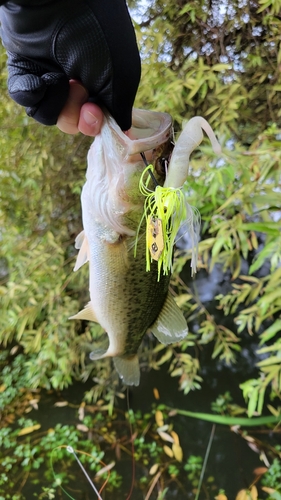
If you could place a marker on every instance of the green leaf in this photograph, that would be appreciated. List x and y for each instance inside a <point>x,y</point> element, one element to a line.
<point>271,228</point>
<point>271,331</point>
<point>225,420</point>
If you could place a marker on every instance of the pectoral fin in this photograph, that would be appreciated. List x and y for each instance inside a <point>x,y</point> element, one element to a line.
<point>79,240</point>
<point>81,243</point>
<point>170,325</point>
<point>128,369</point>
<point>87,313</point>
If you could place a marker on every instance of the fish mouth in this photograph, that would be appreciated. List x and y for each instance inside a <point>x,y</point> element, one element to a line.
<point>150,129</point>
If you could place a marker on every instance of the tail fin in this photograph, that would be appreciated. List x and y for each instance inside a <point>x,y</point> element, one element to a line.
<point>128,369</point>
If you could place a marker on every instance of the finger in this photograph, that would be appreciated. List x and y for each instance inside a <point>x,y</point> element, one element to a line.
<point>70,115</point>
<point>42,94</point>
<point>91,118</point>
<point>48,108</point>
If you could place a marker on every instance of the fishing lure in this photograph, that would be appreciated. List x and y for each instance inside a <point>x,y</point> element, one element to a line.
<point>166,208</point>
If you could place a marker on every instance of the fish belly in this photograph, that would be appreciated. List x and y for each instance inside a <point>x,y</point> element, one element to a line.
<point>126,299</point>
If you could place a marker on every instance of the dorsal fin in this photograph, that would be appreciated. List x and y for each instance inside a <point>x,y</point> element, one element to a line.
<point>170,325</point>
<point>87,313</point>
<point>83,256</point>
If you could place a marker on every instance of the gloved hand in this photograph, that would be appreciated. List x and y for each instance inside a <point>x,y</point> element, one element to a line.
<point>50,42</point>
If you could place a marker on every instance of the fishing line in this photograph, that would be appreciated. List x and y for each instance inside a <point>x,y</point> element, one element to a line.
<point>133,449</point>
<point>205,461</point>
<point>74,453</point>
<point>71,450</point>
<point>149,170</point>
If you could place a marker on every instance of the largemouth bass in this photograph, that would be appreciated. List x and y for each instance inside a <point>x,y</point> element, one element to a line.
<point>125,299</point>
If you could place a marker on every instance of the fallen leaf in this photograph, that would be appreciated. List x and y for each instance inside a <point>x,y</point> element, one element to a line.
<point>163,428</point>
<point>254,493</point>
<point>153,469</point>
<point>2,388</point>
<point>159,418</point>
<point>268,490</point>
<point>175,437</point>
<point>172,413</point>
<point>177,450</point>
<point>250,439</point>
<point>264,458</point>
<point>242,495</point>
<point>82,427</point>
<point>105,469</point>
<point>81,411</point>
<point>156,393</point>
<point>34,403</point>
<point>168,451</point>
<point>259,471</point>
<point>235,428</point>
<point>28,430</point>
<point>248,494</point>
<point>165,436</point>
<point>253,447</point>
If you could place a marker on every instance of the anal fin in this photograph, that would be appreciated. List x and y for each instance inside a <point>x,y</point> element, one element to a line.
<point>87,313</point>
<point>100,350</point>
<point>128,369</point>
<point>170,325</point>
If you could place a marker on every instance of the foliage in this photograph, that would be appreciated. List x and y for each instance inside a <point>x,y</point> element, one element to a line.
<point>239,202</point>
<point>219,61</point>
<point>47,450</point>
<point>30,451</point>
<point>21,458</point>
<point>272,478</point>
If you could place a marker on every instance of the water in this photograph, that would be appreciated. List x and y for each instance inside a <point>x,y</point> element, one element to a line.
<point>231,461</point>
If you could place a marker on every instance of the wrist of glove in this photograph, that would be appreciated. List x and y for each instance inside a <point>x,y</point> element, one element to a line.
<point>51,42</point>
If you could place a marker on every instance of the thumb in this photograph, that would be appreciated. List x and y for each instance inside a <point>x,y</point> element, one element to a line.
<point>79,115</point>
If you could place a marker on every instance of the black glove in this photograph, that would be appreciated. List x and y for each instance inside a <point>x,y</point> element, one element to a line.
<point>50,42</point>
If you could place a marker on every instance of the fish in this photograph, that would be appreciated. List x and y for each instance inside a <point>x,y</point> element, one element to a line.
<point>125,299</point>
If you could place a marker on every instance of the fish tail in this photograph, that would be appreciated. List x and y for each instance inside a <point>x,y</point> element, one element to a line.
<point>128,369</point>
